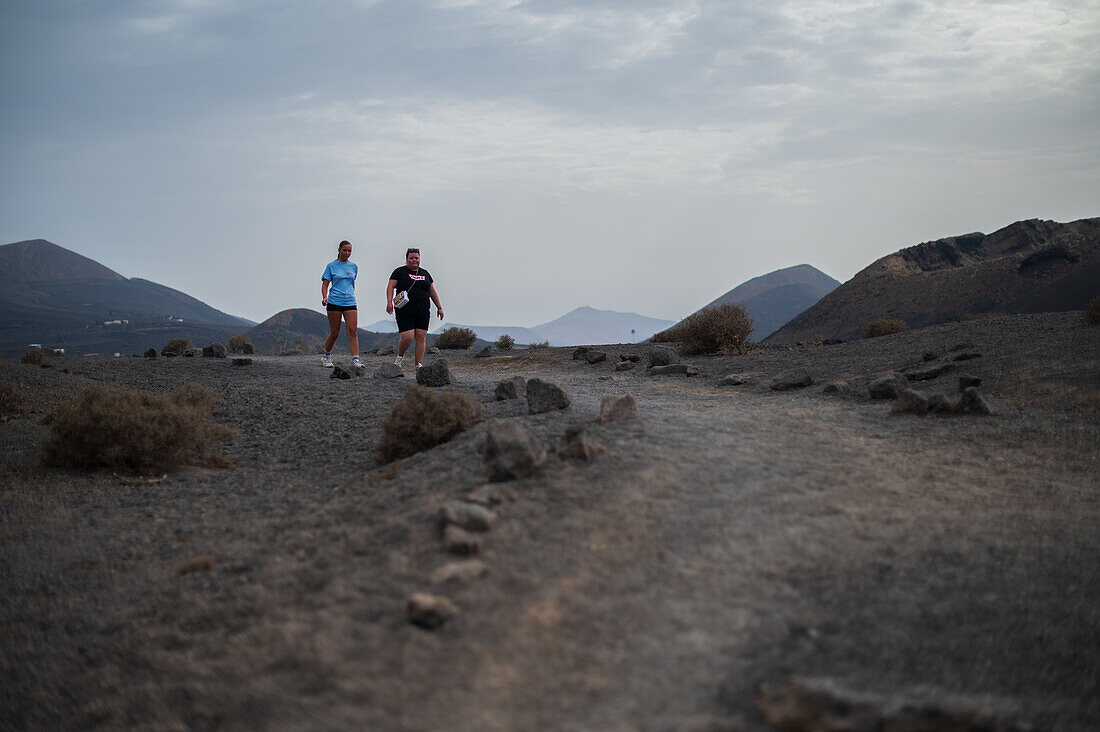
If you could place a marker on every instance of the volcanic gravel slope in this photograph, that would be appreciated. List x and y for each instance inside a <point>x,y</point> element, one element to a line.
<point>730,539</point>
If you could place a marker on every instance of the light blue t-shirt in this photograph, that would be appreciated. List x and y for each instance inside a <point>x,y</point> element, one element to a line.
<point>342,276</point>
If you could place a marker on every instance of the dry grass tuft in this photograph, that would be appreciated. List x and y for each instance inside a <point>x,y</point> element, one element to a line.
<point>1092,312</point>
<point>176,346</point>
<point>885,327</point>
<point>240,344</point>
<point>719,329</point>
<point>34,356</point>
<point>423,419</point>
<point>12,399</point>
<point>136,432</point>
<point>535,346</point>
<point>505,342</point>
<point>455,338</point>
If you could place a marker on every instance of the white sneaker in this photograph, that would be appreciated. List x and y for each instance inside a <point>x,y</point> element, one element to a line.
<point>420,365</point>
<point>326,361</point>
<point>356,363</point>
<point>397,361</point>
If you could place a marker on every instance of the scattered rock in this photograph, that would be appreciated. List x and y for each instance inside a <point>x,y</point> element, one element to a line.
<point>618,407</point>
<point>833,341</point>
<point>578,444</point>
<point>432,350</point>
<point>624,366</point>
<point>386,351</point>
<point>971,402</point>
<point>792,380</point>
<point>596,356</point>
<point>672,368</point>
<point>388,371</point>
<point>242,362</point>
<point>339,372</point>
<point>609,377</point>
<point>911,401</point>
<point>931,373</point>
<point>731,380</point>
<point>435,373</point>
<point>889,386</point>
<point>191,353</point>
<point>510,452</point>
<point>484,352</point>
<point>168,354</point>
<point>838,387</point>
<point>821,704</point>
<point>429,611</point>
<point>214,350</point>
<point>201,563</point>
<point>940,403</point>
<point>968,380</point>
<point>151,353</point>
<point>491,494</point>
<point>580,354</point>
<point>469,516</point>
<point>966,356</point>
<point>467,570</point>
<point>513,388</point>
<point>461,542</point>
<point>632,357</point>
<point>663,356</point>
<point>930,356</point>
<point>545,396</point>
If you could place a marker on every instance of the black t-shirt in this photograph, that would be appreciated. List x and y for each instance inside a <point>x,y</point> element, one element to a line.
<point>417,285</point>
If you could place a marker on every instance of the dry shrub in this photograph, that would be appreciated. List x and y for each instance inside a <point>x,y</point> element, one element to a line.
<point>12,399</point>
<point>34,356</point>
<point>423,419</point>
<point>176,346</point>
<point>240,344</point>
<point>1092,312</point>
<point>136,432</point>
<point>455,338</point>
<point>536,346</point>
<point>720,329</point>
<point>505,342</point>
<point>884,327</point>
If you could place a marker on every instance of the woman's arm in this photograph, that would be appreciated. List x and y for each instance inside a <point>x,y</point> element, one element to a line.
<point>389,296</point>
<point>324,292</point>
<point>435,298</point>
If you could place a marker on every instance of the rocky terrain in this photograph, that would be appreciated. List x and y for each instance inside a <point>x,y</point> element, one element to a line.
<point>1028,267</point>
<point>736,557</point>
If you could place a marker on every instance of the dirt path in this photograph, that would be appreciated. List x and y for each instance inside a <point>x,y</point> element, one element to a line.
<point>732,537</point>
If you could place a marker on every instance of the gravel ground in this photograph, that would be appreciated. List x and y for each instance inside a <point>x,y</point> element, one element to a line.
<point>731,539</point>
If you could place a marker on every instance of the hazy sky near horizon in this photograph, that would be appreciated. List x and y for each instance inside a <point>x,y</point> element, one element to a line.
<point>641,156</point>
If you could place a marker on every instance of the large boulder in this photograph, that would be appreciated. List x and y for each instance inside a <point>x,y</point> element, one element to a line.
<point>513,388</point>
<point>484,352</point>
<point>339,372</point>
<point>545,396</point>
<point>888,386</point>
<point>672,369</point>
<point>796,379</point>
<point>388,371</point>
<point>214,350</point>
<point>435,373</point>
<point>595,356</point>
<point>578,444</point>
<point>429,611</point>
<point>509,452</point>
<point>386,351</point>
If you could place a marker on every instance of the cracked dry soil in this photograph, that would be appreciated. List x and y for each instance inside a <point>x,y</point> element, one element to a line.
<point>729,539</point>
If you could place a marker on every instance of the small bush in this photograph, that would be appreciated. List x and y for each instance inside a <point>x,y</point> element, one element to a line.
<point>719,329</point>
<point>136,432</point>
<point>505,342</point>
<point>12,399</point>
<point>535,346</point>
<point>455,338</point>
<point>33,356</point>
<point>176,346</point>
<point>877,328</point>
<point>423,419</point>
<point>1092,312</point>
<point>240,344</point>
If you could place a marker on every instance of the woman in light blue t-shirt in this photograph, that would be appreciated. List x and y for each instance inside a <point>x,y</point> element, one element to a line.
<point>338,297</point>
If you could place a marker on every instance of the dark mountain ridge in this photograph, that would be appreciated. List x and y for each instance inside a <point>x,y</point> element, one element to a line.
<point>1027,267</point>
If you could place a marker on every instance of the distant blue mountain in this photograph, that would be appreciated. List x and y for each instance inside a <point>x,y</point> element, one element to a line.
<point>581,326</point>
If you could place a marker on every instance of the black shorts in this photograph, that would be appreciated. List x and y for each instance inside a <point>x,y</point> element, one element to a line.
<point>339,308</point>
<point>415,315</point>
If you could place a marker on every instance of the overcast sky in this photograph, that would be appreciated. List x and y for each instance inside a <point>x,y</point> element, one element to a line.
<point>641,156</point>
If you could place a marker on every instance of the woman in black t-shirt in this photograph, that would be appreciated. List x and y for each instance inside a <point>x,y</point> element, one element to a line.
<point>415,290</point>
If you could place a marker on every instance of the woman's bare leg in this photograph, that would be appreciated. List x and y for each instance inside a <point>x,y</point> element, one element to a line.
<point>333,329</point>
<point>421,343</point>
<point>351,321</point>
<point>404,342</point>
